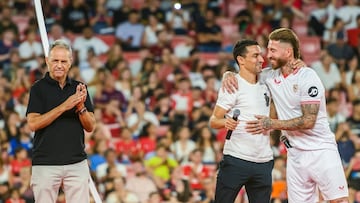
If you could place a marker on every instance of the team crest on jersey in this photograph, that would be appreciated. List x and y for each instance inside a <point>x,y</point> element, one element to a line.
<point>295,88</point>
<point>313,91</point>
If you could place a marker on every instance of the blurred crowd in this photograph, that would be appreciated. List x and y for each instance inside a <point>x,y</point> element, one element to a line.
<point>153,69</point>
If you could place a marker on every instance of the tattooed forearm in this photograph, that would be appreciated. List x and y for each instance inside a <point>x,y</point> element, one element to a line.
<point>306,121</point>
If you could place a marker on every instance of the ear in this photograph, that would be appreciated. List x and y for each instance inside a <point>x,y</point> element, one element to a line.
<point>240,59</point>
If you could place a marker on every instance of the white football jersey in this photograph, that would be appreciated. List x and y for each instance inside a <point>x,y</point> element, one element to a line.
<point>288,93</point>
<point>251,100</point>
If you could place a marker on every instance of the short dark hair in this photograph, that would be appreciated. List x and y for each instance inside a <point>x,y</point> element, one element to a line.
<point>240,48</point>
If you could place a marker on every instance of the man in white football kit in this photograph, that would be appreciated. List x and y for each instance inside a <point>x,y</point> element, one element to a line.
<point>248,159</point>
<point>299,97</point>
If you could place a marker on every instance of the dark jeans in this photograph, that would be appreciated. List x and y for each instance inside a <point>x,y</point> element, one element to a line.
<point>235,173</point>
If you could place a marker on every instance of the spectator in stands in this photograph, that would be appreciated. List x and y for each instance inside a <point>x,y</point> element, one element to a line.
<point>9,69</point>
<point>177,188</point>
<point>178,19</point>
<point>75,16</point>
<point>129,33</point>
<point>328,71</point>
<point>150,37</point>
<point>140,184</point>
<point>20,83</point>
<point>138,119</point>
<point>330,35</point>
<point>6,22</point>
<point>346,141</point>
<point>208,193</point>
<point>163,110</point>
<point>98,156</point>
<point>121,193</point>
<point>182,96</point>
<point>100,20</point>
<point>137,96</point>
<point>353,174</point>
<point>160,165</point>
<point>88,68</point>
<point>103,170</point>
<point>244,17</point>
<point>23,184</point>
<point>21,159</point>
<point>207,144</point>
<point>182,144</point>
<point>124,83</point>
<point>354,119</point>
<point>57,32</point>
<point>122,13</point>
<point>30,49</point>
<point>154,197</point>
<point>113,56</point>
<point>195,171</point>
<point>147,139</point>
<point>353,89</point>
<point>12,121</point>
<point>322,17</point>
<point>83,43</point>
<point>23,139</point>
<point>340,50</point>
<point>334,116</point>
<point>209,34</point>
<point>163,44</point>
<point>126,147</point>
<point>152,7</point>
<point>183,50</point>
<point>348,13</point>
<point>5,173</point>
<point>110,93</point>
<point>258,25</point>
<point>350,68</point>
<point>15,196</point>
<point>7,42</point>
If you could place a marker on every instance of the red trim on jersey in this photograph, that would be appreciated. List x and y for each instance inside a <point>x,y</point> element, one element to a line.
<point>310,102</point>
<point>285,75</point>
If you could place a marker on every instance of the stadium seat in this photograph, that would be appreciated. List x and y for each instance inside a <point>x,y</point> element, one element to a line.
<point>177,39</point>
<point>108,39</point>
<point>310,48</point>
<point>209,58</point>
<point>235,7</point>
<point>300,27</point>
<point>22,23</point>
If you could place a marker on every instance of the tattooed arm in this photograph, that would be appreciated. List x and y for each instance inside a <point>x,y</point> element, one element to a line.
<point>306,121</point>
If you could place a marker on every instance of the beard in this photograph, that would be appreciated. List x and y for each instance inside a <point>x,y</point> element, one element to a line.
<point>277,63</point>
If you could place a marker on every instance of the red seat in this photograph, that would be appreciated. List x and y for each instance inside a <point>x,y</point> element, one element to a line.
<point>300,28</point>
<point>178,39</point>
<point>209,58</point>
<point>108,39</point>
<point>310,48</point>
<point>235,7</point>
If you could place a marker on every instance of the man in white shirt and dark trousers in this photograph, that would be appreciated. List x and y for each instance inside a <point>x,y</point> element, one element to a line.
<point>248,159</point>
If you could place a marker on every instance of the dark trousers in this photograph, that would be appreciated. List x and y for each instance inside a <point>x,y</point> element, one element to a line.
<point>235,173</point>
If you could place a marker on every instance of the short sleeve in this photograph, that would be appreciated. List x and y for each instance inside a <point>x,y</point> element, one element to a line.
<point>312,89</point>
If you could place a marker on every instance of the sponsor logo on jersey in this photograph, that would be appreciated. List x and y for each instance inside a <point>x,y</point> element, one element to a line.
<point>313,91</point>
<point>277,81</point>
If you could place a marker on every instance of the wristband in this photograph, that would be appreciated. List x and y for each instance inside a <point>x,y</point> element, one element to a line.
<point>83,110</point>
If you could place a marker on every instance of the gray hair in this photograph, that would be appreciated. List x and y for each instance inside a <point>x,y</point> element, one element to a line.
<point>62,44</point>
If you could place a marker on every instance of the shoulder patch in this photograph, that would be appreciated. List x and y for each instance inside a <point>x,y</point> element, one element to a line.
<point>313,91</point>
